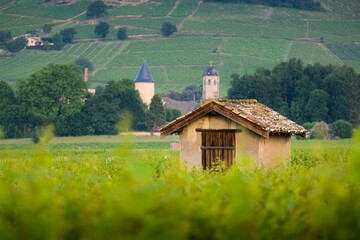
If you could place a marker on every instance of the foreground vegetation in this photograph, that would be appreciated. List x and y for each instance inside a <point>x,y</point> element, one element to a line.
<point>122,193</point>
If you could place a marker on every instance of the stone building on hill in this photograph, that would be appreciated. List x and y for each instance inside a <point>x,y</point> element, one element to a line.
<point>219,131</point>
<point>145,83</point>
<point>211,83</point>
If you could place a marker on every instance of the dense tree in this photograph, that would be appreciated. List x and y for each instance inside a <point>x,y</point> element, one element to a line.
<point>156,116</point>
<point>316,108</point>
<point>17,44</point>
<point>122,33</point>
<point>338,87</point>
<point>168,29</point>
<point>68,34</point>
<point>96,9</point>
<point>53,93</point>
<point>47,28</point>
<point>285,77</point>
<point>118,99</point>
<point>239,86</point>
<point>57,40</point>
<point>297,4</point>
<point>308,94</point>
<point>102,29</point>
<point>85,63</point>
<point>172,114</point>
<point>355,102</point>
<point>191,92</point>
<point>9,111</point>
<point>342,129</point>
<point>5,36</point>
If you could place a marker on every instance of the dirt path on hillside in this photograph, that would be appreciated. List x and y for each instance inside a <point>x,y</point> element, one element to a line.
<point>173,9</point>
<point>70,19</point>
<point>269,13</point>
<point>192,14</point>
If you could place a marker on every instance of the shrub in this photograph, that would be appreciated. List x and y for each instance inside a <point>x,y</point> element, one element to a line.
<point>17,45</point>
<point>122,33</point>
<point>35,135</point>
<point>317,134</point>
<point>167,29</point>
<point>308,125</point>
<point>96,9</point>
<point>85,63</point>
<point>342,129</point>
<point>322,126</point>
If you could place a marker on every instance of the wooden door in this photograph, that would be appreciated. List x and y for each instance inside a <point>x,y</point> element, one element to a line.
<point>217,148</point>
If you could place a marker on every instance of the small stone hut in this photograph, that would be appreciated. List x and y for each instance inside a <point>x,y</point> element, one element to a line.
<point>221,129</point>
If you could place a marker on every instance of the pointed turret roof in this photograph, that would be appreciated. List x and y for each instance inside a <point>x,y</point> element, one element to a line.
<point>144,74</point>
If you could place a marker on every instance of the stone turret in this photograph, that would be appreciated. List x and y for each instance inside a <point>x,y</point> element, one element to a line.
<point>145,83</point>
<point>211,83</point>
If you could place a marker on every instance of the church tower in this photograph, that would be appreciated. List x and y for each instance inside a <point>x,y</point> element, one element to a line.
<point>211,83</point>
<point>145,83</point>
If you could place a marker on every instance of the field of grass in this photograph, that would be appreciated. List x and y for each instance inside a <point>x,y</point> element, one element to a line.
<point>237,38</point>
<point>113,190</point>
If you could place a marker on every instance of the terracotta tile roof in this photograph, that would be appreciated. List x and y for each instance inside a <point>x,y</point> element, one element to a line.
<point>262,117</point>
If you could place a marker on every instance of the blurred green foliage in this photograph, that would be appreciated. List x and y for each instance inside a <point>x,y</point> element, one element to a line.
<point>145,194</point>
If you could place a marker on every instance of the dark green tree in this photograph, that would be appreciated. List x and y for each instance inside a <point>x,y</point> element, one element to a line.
<point>102,29</point>
<point>285,77</point>
<point>17,44</point>
<point>10,116</point>
<point>68,34</point>
<point>355,101</point>
<point>85,63</point>
<point>338,86</point>
<point>316,108</point>
<point>96,9</point>
<point>168,29</point>
<point>57,40</point>
<point>53,93</point>
<point>239,86</point>
<point>342,129</point>
<point>122,33</point>
<point>172,114</point>
<point>118,99</point>
<point>156,116</point>
<point>5,36</point>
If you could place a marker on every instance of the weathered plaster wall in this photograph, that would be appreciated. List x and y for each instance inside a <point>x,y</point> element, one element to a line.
<point>146,90</point>
<point>190,140</point>
<point>274,150</point>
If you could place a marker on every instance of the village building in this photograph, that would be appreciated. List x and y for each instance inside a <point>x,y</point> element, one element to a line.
<point>221,130</point>
<point>34,41</point>
<point>211,83</point>
<point>145,83</point>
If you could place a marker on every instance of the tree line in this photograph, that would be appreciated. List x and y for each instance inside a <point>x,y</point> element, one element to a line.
<point>309,93</point>
<point>297,4</point>
<point>57,95</point>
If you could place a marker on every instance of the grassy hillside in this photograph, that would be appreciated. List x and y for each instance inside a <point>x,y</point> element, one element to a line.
<point>236,38</point>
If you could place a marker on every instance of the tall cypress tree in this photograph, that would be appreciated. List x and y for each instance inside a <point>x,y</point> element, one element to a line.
<point>156,116</point>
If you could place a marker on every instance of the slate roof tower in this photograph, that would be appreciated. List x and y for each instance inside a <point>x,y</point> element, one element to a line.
<point>145,83</point>
<point>211,83</point>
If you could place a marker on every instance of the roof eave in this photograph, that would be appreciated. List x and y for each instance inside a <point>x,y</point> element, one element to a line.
<point>173,127</point>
